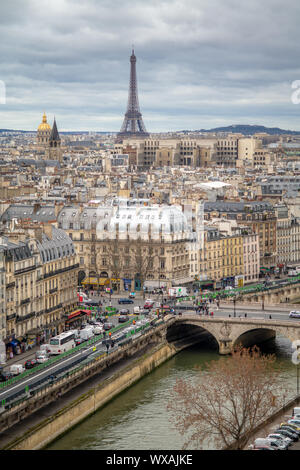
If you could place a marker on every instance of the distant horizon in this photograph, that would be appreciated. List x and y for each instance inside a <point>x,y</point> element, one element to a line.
<point>215,129</point>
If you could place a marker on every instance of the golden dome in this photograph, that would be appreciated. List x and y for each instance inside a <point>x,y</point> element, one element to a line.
<point>44,126</point>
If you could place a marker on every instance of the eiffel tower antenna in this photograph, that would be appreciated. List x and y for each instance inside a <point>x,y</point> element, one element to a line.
<point>133,125</point>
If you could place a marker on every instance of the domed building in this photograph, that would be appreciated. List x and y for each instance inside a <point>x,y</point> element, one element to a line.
<point>130,247</point>
<point>43,132</point>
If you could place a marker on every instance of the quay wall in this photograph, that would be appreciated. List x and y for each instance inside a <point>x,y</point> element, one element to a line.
<point>65,418</point>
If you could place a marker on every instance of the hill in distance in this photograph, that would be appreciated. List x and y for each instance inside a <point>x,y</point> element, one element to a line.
<point>246,129</point>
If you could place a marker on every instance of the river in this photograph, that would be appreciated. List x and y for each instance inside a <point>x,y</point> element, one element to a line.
<point>137,419</point>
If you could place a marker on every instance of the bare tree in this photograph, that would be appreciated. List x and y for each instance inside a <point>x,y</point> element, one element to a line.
<point>142,260</point>
<point>235,394</point>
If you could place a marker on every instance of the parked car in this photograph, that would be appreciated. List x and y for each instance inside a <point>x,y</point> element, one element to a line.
<point>149,303</point>
<point>293,426</point>
<point>107,326</point>
<point>287,433</point>
<point>125,301</point>
<point>287,440</point>
<point>296,410</point>
<point>290,430</point>
<point>263,448</point>
<point>30,363</point>
<point>123,318</point>
<point>132,295</point>
<point>259,442</point>
<point>5,375</point>
<point>296,422</point>
<point>294,314</point>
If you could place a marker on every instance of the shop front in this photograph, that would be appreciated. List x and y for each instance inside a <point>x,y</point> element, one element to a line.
<point>94,283</point>
<point>115,284</point>
<point>127,284</point>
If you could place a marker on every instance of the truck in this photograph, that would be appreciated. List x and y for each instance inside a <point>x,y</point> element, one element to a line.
<point>177,292</point>
<point>16,369</point>
<point>86,333</point>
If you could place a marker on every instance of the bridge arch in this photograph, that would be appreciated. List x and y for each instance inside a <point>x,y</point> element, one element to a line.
<point>229,331</point>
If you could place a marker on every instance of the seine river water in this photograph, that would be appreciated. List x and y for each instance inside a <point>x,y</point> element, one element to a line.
<point>137,419</point>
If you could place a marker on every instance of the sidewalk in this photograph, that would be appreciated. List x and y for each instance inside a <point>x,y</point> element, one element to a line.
<point>21,358</point>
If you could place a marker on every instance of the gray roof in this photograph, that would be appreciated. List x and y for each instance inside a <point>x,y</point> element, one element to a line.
<point>24,211</point>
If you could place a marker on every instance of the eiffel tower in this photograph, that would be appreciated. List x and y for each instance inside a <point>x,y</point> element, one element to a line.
<point>133,125</point>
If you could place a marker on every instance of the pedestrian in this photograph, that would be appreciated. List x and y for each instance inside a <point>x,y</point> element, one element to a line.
<point>107,347</point>
<point>245,315</point>
<point>211,314</point>
<point>270,316</point>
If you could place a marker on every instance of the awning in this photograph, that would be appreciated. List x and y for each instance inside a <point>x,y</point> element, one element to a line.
<point>102,281</point>
<point>78,313</point>
<point>90,280</point>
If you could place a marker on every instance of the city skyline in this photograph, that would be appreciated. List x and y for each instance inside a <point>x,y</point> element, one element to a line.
<point>200,65</point>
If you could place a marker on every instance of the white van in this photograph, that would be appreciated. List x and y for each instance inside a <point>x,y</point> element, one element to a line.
<point>86,333</point>
<point>16,369</point>
<point>296,411</point>
<point>98,329</point>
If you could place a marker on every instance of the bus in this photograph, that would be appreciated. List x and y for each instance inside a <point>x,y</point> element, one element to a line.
<point>61,343</point>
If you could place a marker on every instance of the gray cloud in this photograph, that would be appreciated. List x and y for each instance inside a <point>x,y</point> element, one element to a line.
<point>200,63</point>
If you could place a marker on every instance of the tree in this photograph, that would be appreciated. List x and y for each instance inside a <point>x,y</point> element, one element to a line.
<point>142,261</point>
<point>235,395</point>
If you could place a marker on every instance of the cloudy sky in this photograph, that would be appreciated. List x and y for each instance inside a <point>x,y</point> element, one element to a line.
<point>200,63</point>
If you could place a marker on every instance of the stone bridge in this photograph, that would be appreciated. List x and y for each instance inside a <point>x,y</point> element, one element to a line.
<point>229,332</point>
<point>281,294</point>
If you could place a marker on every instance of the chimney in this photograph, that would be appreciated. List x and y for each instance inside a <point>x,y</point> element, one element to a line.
<point>36,207</point>
<point>47,229</point>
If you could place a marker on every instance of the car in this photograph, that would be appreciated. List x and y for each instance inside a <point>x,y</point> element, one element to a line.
<point>41,359</point>
<point>263,448</point>
<point>123,318</point>
<point>144,311</point>
<point>92,303</point>
<point>290,430</point>
<point>132,295</point>
<point>5,375</point>
<point>294,314</point>
<point>287,433</point>
<point>41,352</point>
<point>124,311</point>
<point>98,330</point>
<point>79,341</point>
<point>125,301</point>
<point>293,426</point>
<point>107,326</point>
<point>296,422</point>
<point>149,303</point>
<point>286,440</point>
<point>30,363</point>
<point>270,443</point>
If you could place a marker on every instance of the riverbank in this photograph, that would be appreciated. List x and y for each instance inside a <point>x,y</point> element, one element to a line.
<point>47,424</point>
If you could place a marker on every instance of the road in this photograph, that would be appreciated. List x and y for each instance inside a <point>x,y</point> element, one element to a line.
<point>224,311</point>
